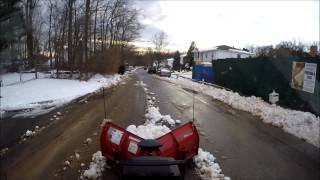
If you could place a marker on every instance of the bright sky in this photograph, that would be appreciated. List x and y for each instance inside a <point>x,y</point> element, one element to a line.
<point>233,23</point>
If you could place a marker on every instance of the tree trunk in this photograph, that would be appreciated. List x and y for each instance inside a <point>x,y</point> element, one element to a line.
<point>95,27</point>
<point>50,22</point>
<point>87,11</point>
<point>29,32</point>
<point>70,63</point>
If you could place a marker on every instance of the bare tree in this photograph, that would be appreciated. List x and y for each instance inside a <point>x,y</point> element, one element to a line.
<point>160,41</point>
<point>74,31</point>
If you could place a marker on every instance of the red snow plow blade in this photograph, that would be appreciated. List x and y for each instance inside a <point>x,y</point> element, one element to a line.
<point>117,143</point>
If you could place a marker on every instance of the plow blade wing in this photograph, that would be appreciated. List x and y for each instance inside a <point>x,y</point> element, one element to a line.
<point>117,143</point>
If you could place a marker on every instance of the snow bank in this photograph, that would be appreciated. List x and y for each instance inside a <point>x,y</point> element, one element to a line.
<point>186,74</point>
<point>301,124</point>
<point>43,95</point>
<point>96,167</point>
<point>206,166</point>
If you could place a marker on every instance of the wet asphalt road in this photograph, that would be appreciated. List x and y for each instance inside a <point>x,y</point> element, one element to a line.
<point>44,156</point>
<point>245,147</point>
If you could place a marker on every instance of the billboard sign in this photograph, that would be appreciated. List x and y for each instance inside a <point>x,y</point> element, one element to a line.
<point>303,76</point>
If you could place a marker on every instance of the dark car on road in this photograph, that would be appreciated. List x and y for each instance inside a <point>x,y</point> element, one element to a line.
<point>152,70</point>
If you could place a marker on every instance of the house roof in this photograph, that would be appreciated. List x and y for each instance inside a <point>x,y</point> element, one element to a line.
<point>223,47</point>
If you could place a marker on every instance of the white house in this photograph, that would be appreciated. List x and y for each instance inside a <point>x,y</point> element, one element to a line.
<point>182,56</point>
<point>219,52</point>
<point>170,62</point>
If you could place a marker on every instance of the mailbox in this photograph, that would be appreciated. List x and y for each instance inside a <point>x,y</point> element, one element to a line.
<point>273,97</point>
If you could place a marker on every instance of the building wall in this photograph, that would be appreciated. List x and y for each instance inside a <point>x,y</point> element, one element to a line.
<point>208,56</point>
<point>182,58</point>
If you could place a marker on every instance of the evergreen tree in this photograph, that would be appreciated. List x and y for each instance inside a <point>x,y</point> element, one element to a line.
<point>189,57</point>
<point>10,22</point>
<point>176,61</point>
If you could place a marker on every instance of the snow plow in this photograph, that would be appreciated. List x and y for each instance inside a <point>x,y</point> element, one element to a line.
<point>135,157</point>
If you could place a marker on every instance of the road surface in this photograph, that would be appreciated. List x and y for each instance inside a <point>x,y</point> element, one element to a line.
<point>245,147</point>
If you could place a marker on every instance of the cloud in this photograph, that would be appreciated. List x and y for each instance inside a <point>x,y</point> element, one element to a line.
<point>237,23</point>
<point>148,31</point>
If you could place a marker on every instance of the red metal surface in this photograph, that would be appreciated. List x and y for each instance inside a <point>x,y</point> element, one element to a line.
<point>181,143</point>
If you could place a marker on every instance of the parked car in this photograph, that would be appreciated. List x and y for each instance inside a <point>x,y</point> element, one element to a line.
<point>130,68</point>
<point>152,70</point>
<point>164,72</point>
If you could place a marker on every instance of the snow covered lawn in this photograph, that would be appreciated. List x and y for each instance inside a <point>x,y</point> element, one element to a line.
<point>304,125</point>
<point>42,95</point>
<point>14,78</point>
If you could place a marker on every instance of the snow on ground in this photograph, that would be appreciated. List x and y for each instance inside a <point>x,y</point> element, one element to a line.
<point>304,125</point>
<point>96,167</point>
<point>155,126</point>
<point>14,78</point>
<point>30,133</point>
<point>43,95</point>
<point>186,74</point>
<point>148,131</point>
<point>206,166</point>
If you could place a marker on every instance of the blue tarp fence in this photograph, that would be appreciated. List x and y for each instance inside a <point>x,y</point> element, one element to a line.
<point>203,73</point>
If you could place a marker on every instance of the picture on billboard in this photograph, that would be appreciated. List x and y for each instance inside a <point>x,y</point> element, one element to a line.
<point>303,76</point>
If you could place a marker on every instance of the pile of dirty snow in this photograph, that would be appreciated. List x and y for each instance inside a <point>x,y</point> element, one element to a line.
<point>206,166</point>
<point>304,125</point>
<point>96,167</point>
<point>156,124</point>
